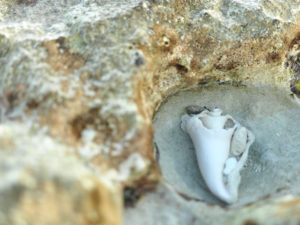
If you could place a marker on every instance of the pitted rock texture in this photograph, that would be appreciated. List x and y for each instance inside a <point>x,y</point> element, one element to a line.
<point>43,182</point>
<point>170,208</point>
<point>90,74</point>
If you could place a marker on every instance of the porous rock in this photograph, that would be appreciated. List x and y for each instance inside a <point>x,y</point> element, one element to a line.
<point>90,74</point>
<point>43,182</point>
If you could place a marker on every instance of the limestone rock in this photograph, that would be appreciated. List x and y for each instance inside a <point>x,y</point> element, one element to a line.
<point>269,179</point>
<point>91,74</point>
<point>172,208</point>
<point>43,182</point>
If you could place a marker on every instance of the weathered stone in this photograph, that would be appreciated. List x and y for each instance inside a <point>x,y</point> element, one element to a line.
<point>92,73</point>
<point>43,182</point>
<point>271,114</point>
<point>194,109</point>
<point>166,206</point>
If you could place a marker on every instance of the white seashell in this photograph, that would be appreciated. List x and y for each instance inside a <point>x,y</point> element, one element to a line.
<point>297,99</point>
<point>230,164</point>
<point>239,141</point>
<point>212,141</point>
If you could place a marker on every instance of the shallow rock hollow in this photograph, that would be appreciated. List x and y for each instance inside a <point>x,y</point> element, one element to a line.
<point>267,175</point>
<point>88,76</point>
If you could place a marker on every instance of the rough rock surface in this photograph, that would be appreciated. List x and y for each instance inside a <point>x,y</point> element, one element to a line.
<point>173,209</point>
<point>44,182</point>
<point>89,75</point>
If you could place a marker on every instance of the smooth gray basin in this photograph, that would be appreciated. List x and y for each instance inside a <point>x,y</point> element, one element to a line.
<point>271,113</point>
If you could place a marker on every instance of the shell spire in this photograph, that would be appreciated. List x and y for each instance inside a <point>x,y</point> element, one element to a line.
<point>221,146</point>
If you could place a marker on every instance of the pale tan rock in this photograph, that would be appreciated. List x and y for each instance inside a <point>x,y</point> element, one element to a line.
<point>92,73</point>
<point>43,182</point>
